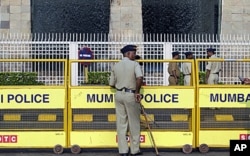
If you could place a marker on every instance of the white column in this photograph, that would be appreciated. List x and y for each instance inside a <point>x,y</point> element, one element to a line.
<point>168,56</point>
<point>73,55</point>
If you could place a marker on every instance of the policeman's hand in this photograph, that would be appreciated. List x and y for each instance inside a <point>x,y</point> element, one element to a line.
<point>138,97</point>
<point>246,81</point>
<point>206,81</point>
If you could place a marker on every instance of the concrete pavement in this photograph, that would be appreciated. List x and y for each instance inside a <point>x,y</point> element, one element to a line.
<point>98,152</point>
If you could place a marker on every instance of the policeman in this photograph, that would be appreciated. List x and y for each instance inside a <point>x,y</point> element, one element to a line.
<point>173,70</point>
<point>212,68</point>
<point>126,77</point>
<point>187,69</point>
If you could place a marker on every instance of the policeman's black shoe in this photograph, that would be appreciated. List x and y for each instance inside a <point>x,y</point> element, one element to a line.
<point>124,154</point>
<point>139,153</point>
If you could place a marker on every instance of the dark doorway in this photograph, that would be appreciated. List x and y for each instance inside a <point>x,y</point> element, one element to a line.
<point>70,16</point>
<point>181,16</point>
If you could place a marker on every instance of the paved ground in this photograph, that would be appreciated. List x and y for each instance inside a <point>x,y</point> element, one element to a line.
<point>148,152</point>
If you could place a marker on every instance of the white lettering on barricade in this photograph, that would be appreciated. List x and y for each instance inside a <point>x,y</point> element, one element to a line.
<point>26,98</point>
<point>142,138</point>
<point>229,97</point>
<point>8,138</point>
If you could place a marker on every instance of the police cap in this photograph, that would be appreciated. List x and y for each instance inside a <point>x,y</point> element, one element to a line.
<point>188,53</point>
<point>128,48</point>
<point>211,50</point>
<point>175,53</point>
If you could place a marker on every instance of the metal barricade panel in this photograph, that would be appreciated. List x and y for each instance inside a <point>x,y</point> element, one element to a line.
<point>32,119</point>
<point>35,109</point>
<point>223,110</point>
<point>170,111</point>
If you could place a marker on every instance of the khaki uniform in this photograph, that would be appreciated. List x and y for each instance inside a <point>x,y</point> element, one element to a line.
<point>128,111</point>
<point>173,66</point>
<point>187,73</point>
<point>214,68</point>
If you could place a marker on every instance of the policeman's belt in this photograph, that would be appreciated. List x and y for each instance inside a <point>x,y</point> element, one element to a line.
<point>126,90</point>
<point>216,73</point>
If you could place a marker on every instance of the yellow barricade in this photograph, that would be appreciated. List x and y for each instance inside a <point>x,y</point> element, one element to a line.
<point>222,111</point>
<point>35,116</point>
<point>92,120</point>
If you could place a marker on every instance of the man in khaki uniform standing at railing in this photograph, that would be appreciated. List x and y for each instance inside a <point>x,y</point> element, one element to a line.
<point>212,68</point>
<point>173,70</point>
<point>126,77</point>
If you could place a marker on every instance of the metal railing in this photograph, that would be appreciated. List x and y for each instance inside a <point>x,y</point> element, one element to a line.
<point>106,47</point>
<point>50,72</point>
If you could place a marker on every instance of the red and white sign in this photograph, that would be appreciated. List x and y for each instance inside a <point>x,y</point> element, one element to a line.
<point>8,138</point>
<point>248,136</point>
<point>142,138</point>
<point>243,136</point>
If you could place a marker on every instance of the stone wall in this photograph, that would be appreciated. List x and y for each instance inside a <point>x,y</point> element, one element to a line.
<point>235,17</point>
<point>15,16</point>
<point>126,16</point>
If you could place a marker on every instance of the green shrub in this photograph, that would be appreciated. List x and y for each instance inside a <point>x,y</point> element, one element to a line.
<point>101,78</point>
<point>19,78</point>
<point>202,78</point>
<point>181,80</point>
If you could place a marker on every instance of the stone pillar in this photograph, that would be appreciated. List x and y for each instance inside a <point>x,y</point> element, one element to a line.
<point>235,26</point>
<point>235,17</point>
<point>15,16</point>
<point>126,20</point>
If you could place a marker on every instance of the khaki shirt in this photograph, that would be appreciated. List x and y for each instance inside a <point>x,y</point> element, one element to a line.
<point>124,74</point>
<point>173,66</point>
<point>214,67</point>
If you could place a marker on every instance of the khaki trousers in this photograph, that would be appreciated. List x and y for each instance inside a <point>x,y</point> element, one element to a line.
<point>171,81</point>
<point>127,116</point>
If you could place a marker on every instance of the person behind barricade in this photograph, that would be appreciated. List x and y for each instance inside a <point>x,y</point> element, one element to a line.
<point>212,68</point>
<point>126,76</point>
<point>246,81</point>
<point>173,70</point>
<point>137,57</point>
<point>187,69</point>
